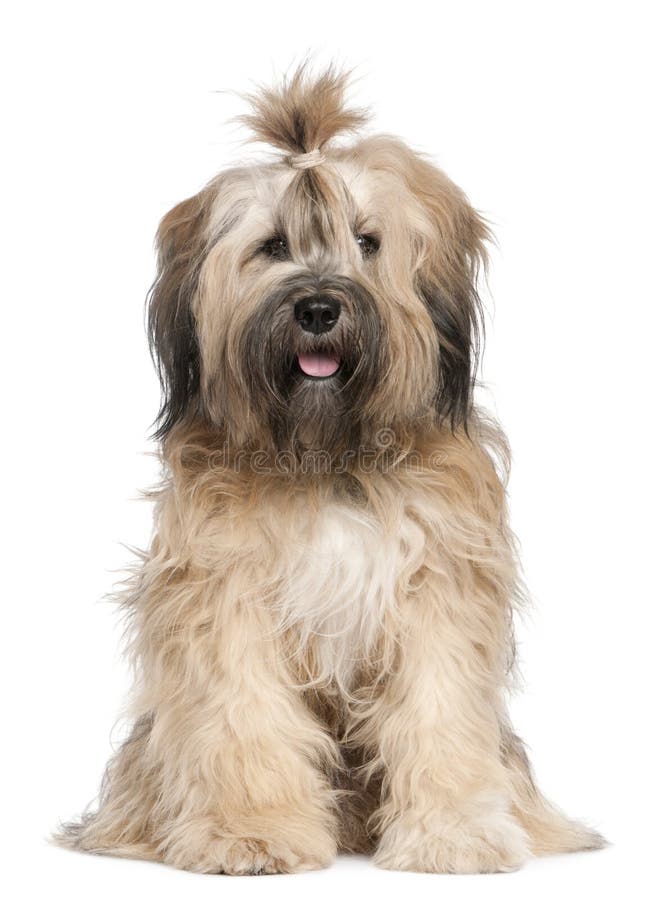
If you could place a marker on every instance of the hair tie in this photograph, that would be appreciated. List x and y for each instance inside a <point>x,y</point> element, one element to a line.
<point>306,160</point>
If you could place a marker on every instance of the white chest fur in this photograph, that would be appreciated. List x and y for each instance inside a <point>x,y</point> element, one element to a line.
<point>340,581</point>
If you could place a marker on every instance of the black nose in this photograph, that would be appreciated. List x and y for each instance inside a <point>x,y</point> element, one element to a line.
<point>317,314</point>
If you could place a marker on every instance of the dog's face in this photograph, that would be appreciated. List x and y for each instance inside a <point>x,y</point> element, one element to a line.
<point>314,303</point>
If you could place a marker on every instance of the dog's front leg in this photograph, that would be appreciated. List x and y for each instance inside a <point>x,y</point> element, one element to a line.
<point>435,730</point>
<point>226,772</point>
<point>242,784</point>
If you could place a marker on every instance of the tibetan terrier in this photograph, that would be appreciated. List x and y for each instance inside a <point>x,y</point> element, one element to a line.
<point>322,626</point>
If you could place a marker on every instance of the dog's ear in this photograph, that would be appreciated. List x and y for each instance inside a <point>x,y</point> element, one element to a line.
<point>172,334</point>
<point>447,281</point>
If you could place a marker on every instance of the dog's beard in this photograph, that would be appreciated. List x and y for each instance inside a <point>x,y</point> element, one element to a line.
<point>308,390</point>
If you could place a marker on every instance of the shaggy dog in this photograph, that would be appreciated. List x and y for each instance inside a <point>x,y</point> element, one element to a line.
<point>322,626</point>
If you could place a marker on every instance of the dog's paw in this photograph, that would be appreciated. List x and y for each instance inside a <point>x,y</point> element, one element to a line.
<point>481,837</point>
<point>262,856</point>
<point>259,851</point>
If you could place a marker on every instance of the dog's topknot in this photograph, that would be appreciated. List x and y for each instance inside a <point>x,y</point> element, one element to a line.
<point>304,112</point>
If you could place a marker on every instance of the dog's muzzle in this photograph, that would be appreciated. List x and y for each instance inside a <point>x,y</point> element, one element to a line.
<point>317,315</point>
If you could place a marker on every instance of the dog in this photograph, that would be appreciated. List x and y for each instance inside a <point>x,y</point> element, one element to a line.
<point>322,626</point>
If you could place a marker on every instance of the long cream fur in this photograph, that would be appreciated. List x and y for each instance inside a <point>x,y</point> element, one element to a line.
<point>323,657</point>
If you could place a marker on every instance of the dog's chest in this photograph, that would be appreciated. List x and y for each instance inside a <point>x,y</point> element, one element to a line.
<point>341,578</point>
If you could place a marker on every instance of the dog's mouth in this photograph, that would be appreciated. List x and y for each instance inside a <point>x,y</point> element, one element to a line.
<point>321,364</point>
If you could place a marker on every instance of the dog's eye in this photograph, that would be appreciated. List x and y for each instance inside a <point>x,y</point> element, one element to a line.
<point>275,248</point>
<point>368,244</point>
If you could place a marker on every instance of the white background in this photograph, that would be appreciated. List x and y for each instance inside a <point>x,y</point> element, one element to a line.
<point>551,117</point>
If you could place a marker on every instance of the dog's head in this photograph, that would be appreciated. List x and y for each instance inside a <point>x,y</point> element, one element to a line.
<point>318,299</point>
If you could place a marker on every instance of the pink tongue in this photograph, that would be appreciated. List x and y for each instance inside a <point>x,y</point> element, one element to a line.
<point>319,365</point>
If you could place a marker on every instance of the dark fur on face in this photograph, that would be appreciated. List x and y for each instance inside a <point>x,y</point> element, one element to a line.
<point>324,412</point>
